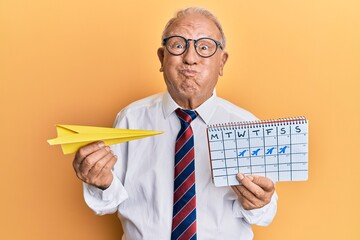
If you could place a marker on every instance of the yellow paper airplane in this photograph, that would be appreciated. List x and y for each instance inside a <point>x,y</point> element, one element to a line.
<point>72,137</point>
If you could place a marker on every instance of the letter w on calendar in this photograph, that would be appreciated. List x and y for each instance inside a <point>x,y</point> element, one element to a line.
<point>277,149</point>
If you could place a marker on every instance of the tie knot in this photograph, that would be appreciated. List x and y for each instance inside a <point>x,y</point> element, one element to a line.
<point>186,115</point>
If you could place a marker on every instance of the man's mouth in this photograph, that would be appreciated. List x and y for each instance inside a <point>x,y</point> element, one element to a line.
<point>188,72</point>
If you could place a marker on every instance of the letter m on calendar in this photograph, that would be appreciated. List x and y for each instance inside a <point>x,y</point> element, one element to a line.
<point>277,149</point>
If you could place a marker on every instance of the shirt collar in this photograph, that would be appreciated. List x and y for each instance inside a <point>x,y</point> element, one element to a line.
<point>205,110</point>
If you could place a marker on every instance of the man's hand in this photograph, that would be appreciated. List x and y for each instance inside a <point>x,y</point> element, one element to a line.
<point>254,191</point>
<point>93,164</point>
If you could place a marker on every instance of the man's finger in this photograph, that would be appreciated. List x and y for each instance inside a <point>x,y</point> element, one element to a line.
<point>246,196</point>
<point>244,202</point>
<point>92,159</point>
<point>110,164</point>
<point>101,165</point>
<point>83,152</point>
<point>246,181</point>
<point>265,183</point>
<point>86,150</point>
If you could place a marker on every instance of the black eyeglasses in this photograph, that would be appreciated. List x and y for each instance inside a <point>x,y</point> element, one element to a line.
<point>205,47</point>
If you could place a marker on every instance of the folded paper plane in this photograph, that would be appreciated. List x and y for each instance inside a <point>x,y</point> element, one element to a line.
<point>72,137</point>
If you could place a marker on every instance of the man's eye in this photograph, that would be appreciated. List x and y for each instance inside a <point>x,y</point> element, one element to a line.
<point>204,47</point>
<point>179,46</point>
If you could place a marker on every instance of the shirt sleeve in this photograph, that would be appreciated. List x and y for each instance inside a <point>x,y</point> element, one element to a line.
<point>261,216</point>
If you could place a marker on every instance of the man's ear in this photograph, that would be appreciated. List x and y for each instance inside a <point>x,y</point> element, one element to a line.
<point>223,60</point>
<point>160,53</point>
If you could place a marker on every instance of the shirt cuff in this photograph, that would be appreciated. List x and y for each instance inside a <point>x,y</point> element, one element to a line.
<point>105,201</point>
<point>260,216</point>
<point>106,194</point>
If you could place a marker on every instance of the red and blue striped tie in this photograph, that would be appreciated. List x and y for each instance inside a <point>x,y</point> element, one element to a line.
<point>184,211</point>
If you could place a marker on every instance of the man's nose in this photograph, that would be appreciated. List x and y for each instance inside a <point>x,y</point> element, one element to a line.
<point>190,55</point>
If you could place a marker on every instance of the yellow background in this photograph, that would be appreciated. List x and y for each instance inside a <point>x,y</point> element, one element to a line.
<point>81,61</point>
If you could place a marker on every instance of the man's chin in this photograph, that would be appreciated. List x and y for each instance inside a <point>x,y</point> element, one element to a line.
<point>190,93</point>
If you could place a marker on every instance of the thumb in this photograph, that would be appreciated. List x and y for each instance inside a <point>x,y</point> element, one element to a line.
<point>265,183</point>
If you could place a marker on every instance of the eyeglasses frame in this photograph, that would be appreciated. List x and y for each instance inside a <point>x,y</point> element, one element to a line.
<point>218,45</point>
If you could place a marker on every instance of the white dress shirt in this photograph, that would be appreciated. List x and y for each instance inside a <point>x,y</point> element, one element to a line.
<point>142,187</point>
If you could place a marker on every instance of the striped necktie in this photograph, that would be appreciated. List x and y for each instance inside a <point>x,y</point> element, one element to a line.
<point>184,211</point>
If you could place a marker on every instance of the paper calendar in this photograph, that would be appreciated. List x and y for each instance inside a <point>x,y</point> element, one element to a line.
<point>277,149</point>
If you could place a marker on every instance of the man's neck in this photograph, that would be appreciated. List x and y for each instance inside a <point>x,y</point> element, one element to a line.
<point>190,103</point>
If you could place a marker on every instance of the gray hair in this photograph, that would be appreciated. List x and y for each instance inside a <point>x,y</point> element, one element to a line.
<point>198,10</point>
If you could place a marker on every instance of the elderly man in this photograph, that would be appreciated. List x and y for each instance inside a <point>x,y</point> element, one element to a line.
<point>161,187</point>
